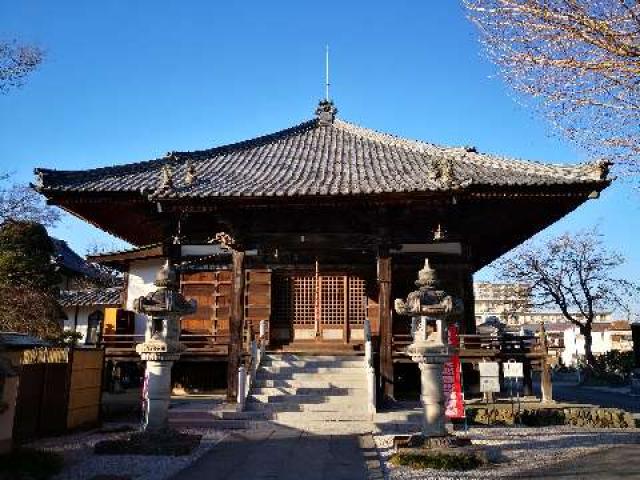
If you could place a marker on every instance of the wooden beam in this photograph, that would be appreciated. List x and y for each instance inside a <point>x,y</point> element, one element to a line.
<point>386,325</point>
<point>235,324</point>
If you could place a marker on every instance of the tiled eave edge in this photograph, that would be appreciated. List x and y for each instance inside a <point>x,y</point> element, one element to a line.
<point>66,197</point>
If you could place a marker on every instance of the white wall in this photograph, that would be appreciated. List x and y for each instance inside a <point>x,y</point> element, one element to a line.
<point>83,319</point>
<point>142,274</point>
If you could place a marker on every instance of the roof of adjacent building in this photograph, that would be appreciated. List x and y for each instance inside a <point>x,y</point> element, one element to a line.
<point>324,156</point>
<point>68,259</point>
<point>89,297</point>
<point>21,340</point>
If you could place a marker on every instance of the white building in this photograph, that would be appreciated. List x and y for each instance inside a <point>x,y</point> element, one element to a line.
<point>511,304</point>
<point>505,301</point>
<point>83,296</point>
<point>85,311</point>
<point>605,337</point>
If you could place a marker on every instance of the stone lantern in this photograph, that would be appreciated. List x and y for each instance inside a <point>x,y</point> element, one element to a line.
<point>161,348</point>
<point>430,309</point>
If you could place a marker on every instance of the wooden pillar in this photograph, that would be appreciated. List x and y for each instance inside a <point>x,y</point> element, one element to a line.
<point>386,325</point>
<point>469,314</point>
<point>235,324</point>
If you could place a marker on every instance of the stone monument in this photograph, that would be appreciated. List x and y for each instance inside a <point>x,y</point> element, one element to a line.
<point>430,309</point>
<point>161,348</point>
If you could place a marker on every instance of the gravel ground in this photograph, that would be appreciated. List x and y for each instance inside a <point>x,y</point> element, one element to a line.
<point>519,450</point>
<point>82,464</point>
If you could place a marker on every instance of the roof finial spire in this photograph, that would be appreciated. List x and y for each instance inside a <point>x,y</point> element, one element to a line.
<point>326,110</point>
<point>326,74</point>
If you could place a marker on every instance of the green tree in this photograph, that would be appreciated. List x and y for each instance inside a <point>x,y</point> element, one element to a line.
<point>28,280</point>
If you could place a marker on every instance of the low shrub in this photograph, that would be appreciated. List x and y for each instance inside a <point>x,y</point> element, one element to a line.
<point>28,464</point>
<point>166,442</point>
<point>610,368</point>
<point>437,460</point>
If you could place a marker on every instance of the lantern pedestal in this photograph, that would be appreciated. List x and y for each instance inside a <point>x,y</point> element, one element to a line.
<point>159,357</point>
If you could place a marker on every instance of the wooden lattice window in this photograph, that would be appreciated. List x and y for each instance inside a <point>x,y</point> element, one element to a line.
<point>333,306</point>
<point>357,305</point>
<point>304,300</point>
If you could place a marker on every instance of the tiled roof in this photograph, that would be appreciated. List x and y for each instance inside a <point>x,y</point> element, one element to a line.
<point>21,340</point>
<point>66,258</point>
<point>317,158</point>
<point>87,298</point>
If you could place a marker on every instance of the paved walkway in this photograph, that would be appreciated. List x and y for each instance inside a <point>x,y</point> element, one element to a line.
<point>613,463</point>
<point>605,397</point>
<point>282,454</point>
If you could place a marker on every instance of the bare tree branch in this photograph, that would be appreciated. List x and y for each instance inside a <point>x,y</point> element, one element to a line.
<point>16,63</point>
<point>20,202</point>
<point>579,63</point>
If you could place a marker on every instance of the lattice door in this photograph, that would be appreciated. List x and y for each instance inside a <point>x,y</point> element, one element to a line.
<point>325,307</point>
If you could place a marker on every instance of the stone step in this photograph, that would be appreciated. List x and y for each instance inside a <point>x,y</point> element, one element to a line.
<point>267,382</point>
<point>310,358</point>
<point>307,390</point>
<point>309,398</point>
<point>351,370</point>
<point>306,376</point>
<point>185,415</point>
<point>294,418</point>
<point>354,406</point>
<point>314,364</point>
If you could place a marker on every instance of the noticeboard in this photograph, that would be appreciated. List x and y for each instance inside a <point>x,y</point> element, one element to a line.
<point>490,384</point>
<point>513,369</point>
<point>489,369</point>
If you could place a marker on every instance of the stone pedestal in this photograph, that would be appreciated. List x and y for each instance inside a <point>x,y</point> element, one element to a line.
<point>158,393</point>
<point>432,396</point>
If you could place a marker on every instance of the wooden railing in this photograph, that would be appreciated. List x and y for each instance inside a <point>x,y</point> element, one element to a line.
<point>249,365</point>
<point>196,344</point>
<point>484,346</point>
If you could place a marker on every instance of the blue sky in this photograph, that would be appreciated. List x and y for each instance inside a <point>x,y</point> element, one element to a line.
<point>127,81</point>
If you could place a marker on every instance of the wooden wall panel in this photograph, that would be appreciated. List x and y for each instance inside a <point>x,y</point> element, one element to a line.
<point>257,304</point>
<point>212,291</point>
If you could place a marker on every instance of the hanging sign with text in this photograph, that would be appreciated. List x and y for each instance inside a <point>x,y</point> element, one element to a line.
<point>452,379</point>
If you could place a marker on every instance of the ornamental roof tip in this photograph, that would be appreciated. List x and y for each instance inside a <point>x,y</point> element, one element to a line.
<point>326,112</point>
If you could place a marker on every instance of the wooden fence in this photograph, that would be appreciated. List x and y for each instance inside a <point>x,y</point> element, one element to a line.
<point>58,389</point>
<point>85,387</point>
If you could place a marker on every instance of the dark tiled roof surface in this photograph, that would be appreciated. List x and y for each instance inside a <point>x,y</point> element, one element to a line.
<point>21,340</point>
<point>70,260</point>
<point>316,159</point>
<point>85,298</point>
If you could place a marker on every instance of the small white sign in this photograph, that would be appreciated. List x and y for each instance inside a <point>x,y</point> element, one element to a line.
<point>490,384</point>
<point>489,369</point>
<point>513,370</point>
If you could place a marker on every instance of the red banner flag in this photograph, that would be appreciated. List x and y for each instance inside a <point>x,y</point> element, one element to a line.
<point>452,379</point>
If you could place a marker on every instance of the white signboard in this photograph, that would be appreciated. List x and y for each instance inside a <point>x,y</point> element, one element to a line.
<point>489,369</point>
<point>513,370</point>
<point>490,384</point>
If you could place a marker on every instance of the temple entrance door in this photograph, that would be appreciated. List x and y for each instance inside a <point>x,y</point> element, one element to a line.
<point>313,307</point>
